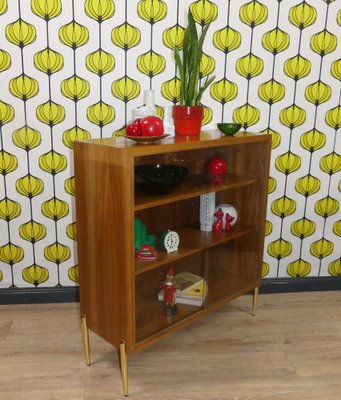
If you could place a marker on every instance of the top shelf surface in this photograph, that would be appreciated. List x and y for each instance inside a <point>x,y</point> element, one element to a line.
<point>206,139</point>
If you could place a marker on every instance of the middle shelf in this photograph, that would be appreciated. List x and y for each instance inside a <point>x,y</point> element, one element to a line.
<point>192,241</point>
<point>194,186</point>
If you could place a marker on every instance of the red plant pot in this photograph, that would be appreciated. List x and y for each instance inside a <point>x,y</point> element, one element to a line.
<point>188,119</point>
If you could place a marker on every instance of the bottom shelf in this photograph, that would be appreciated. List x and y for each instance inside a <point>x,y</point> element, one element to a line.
<point>230,269</point>
<point>150,317</point>
<point>154,320</point>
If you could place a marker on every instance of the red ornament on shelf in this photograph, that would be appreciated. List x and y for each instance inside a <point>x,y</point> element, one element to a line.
<point>217,167</point>
<point>228,225</point>
<point>218,225</point>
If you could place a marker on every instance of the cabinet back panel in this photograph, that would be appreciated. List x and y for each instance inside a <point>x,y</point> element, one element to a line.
<point>230,268</point>
<point>249,159</point>
<point>240,199</point>
<point>171,216</point>
<point>196,161</point>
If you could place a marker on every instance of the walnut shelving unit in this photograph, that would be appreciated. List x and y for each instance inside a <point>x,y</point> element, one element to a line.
<point>118,295</point>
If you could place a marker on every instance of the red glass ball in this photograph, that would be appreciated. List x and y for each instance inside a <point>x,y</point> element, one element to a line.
<point>217,166</point>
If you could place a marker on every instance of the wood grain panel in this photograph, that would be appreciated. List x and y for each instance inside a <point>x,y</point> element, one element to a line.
<point>119,294</point>
<point>104,226</point>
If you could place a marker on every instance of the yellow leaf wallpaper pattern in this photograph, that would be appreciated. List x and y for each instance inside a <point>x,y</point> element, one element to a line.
<point>72,70</point>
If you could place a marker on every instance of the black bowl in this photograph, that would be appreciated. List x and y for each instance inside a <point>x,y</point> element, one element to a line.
<point>159,178</point>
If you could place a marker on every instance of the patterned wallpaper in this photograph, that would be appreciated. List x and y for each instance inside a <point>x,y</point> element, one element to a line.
<point>75,69</point>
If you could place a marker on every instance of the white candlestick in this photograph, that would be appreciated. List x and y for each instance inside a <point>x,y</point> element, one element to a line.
<point>168,122</point>
<point>149,98</point>
<point>207,207</point>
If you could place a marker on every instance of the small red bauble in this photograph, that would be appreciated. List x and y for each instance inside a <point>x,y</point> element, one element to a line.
<point>217,167</point>
<point>133,129</point>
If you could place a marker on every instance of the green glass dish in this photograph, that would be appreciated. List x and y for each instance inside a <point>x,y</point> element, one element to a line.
<point>229,128</point>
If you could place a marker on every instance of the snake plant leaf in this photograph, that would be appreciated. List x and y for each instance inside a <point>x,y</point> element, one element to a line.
<point>206,84</point>
<point>191,89</point>
<point>181,72</point>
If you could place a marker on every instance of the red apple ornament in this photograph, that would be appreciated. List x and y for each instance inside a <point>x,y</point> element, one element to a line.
<point>151,126</point>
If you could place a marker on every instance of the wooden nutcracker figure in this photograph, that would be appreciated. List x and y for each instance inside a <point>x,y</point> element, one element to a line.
<point>168,289</point>
<point>218,225</point>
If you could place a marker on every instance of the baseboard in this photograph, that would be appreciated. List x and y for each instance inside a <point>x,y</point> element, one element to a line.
<point>287,285</point>
<point>66,294</point>
<point>61,294</point>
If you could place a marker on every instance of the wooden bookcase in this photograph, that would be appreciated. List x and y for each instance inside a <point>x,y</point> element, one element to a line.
<point>118,294</point>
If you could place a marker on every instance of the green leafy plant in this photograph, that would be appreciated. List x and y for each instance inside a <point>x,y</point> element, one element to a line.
<point>191,87</point>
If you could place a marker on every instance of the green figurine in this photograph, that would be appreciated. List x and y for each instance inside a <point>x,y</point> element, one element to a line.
<point>140,235</point>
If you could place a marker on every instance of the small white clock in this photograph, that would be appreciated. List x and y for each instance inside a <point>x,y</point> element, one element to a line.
<point>170,241</point>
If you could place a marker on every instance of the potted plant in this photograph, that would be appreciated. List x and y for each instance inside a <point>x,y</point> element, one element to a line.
<point>189,113</point>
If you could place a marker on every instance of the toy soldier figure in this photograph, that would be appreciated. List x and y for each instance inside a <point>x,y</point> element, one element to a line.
<point>169,293</point>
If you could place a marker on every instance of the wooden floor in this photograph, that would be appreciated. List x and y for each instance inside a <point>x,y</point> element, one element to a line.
<point>290,350</point>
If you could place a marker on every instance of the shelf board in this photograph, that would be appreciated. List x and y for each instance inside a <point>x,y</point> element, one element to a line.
<point>192,241</point>
<point>151,322</point>
<point>194,185</point>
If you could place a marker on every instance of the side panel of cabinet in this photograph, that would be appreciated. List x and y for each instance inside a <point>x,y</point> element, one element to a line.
<point>104,204</point>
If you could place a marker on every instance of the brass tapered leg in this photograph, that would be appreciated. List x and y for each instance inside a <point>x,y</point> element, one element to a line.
<point>85,335</point>
<point>124,367</point>
<point>254,300</point>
